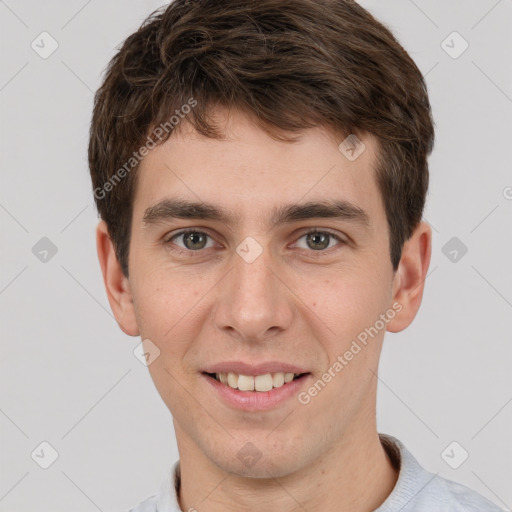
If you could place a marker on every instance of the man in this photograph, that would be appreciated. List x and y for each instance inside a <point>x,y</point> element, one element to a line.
<point>260,169</point>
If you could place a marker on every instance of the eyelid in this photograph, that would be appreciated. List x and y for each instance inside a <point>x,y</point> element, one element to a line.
<point>328,231</point>
<point>170,237</point>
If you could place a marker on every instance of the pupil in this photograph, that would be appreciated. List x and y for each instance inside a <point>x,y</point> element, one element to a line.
<point>323,243</point>
<point>197,240</point>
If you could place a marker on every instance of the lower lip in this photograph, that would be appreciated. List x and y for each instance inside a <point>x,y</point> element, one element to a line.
<point>257,400</point>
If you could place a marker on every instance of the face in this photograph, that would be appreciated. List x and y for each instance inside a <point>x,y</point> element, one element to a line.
<point>279,269</point>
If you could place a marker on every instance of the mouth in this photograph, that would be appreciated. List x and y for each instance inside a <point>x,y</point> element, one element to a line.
<point>255,383</point>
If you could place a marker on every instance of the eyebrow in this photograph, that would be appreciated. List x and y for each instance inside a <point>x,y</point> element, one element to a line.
<point>174,208</point>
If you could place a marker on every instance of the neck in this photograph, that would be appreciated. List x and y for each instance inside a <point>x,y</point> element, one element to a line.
<point>356,475</point>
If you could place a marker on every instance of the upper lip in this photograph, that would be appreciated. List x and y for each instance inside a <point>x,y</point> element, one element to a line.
<point>242,368</point>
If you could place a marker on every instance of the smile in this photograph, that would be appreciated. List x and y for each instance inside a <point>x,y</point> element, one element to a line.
<point>261,383</point>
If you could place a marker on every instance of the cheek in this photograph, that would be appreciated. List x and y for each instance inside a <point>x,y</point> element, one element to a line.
<point>166,303</point>
<point>346,300</point>
<point>351,305</point>
<point>167,307</point>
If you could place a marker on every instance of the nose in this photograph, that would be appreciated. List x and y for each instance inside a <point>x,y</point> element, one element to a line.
<point>253,302</point>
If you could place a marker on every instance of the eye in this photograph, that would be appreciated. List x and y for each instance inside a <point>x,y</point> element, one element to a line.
<point>192,240</point>
<point>318,240</point>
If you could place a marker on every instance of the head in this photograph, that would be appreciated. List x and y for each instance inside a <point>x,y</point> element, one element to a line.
<point>227,117</point>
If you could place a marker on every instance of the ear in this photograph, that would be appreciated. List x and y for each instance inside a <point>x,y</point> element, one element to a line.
<point>409,279</point>
<point>116,283</point>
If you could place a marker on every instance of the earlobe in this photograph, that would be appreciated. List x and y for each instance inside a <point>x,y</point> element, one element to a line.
<point>116,283</point>
<point>409,280</point>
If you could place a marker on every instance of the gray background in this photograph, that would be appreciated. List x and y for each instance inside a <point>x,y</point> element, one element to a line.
<point>68,374</point>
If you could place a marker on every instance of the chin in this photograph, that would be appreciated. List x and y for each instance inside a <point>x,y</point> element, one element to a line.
<point>262,469</point>
<point>261,460</point>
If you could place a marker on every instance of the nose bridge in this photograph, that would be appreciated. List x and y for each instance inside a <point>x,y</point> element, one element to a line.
<point>253,279</point>
<point>253,303</point>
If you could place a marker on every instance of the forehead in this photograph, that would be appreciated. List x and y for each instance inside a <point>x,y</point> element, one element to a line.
<point>249,174</point>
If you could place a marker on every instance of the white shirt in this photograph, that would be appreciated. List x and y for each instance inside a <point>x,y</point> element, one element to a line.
<point>416,490</point>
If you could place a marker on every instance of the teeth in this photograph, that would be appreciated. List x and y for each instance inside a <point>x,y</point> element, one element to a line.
<point>259,383</point>
<point>233,380</point>
<point>278,380</point>
<point>245,383</point>
<point>263,382</point>
<point>288,377</point>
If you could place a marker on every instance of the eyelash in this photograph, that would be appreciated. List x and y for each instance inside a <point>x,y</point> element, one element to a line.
<point>169,240</point>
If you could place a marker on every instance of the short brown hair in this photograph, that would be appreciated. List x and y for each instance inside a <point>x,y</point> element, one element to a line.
<point>291,64</point>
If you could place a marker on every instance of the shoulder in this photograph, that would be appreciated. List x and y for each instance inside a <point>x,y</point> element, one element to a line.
<point>166,500</point>
<point>148,505</point>
<point>444,495</point>
<point>462,498</point>
<point>418,490</point>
